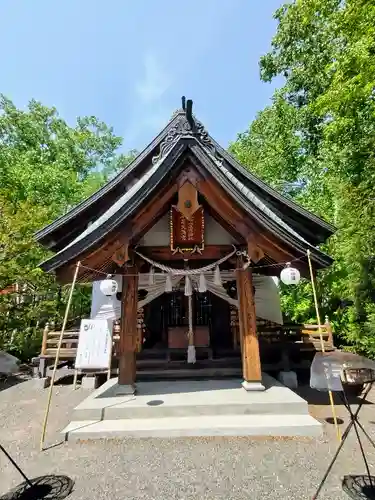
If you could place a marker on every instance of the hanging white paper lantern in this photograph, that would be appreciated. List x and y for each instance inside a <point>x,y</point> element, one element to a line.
<point>290,275</point>
<point>108,287</point>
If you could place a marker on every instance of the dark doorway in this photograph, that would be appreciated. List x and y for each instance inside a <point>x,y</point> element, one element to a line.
<point>221,337</point>
<point>170,310</point>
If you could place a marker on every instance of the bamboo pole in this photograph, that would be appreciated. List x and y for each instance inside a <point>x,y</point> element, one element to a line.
<point>57,357</point>
<point>109,371</point>
<point>338,433</point>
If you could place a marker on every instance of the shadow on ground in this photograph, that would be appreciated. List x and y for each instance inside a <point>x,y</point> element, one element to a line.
<point>9,381</point>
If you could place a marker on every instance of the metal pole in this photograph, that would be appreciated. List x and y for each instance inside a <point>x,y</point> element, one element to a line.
<point>16,466</point>
<point>353,420</point>
<point>338,433</point>
<point>57,356</point>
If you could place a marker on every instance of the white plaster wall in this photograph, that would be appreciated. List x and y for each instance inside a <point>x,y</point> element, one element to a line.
<point>215,234</point>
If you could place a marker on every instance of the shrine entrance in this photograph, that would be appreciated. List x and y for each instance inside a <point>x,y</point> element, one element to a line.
<point>166,324</point>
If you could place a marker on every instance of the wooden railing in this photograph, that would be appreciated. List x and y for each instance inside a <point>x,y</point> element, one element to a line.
<point>283,338</point>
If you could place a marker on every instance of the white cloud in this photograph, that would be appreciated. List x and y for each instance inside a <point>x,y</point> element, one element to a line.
<point>154,82</point>
<point>150,113</point>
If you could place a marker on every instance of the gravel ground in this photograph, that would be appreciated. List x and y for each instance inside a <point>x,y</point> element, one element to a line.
<point>189,468</point>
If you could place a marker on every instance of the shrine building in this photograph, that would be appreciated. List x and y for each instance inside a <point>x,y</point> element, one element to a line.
<point>194,241</point>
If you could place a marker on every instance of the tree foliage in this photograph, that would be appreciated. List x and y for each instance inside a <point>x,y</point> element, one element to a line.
<point>46,167</point>
<point>315,143</point>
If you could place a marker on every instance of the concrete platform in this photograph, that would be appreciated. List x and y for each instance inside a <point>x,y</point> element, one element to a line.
<point>192,408</point>
<point>189,398</point>
<point>223,425</point>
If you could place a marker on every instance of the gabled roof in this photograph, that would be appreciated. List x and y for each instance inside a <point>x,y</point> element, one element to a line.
<point>113,204</point>
<point>63,230</point>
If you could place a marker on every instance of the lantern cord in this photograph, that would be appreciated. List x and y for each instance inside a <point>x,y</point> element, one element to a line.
<point>57,356</point>
<point>338,433</point>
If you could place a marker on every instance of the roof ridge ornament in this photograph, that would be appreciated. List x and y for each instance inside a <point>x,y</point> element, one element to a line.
<point>187,126</point>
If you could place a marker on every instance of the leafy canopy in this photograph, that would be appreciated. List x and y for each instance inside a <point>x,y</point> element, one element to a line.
<point>46,167</point>
<point>316,144</point>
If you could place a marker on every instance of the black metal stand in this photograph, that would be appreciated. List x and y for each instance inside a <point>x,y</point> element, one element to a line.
<point>357,425</point>
<point>50,487</point>
<point>27,480</point>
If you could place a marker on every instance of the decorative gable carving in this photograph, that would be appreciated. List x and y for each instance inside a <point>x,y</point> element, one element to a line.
<point>185,128</point>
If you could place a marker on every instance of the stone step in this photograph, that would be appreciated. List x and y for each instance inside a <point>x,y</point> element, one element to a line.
<point>170,373</point>
<point>189,399</point>
<point>156,410</point>
<point>221,425</point>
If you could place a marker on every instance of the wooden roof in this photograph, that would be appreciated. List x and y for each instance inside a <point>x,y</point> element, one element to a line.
<point>184,138</point>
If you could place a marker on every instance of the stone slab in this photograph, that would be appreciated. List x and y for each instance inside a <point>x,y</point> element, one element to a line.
<point>289,379</point>
<point>228,425</point>
<point>89,382</point>
<point>42,382</point>
<point>189,398</point>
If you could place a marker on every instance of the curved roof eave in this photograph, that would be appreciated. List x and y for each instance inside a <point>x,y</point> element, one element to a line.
<point>260,213</point>
<point>108,187</point>
<point>329,229</point>
<point>118,212</point>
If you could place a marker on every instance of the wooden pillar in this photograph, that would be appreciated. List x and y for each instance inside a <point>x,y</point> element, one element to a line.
<point>128,332</point>
<point>251,367</point>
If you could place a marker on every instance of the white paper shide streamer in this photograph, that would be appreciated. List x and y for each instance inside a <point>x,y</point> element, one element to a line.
<point>202,287</point>
<point>217,276</point>
<point>151,276</point>
<point>168,284</point>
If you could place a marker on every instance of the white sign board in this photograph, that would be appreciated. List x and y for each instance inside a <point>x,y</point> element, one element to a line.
<point>94,345</point>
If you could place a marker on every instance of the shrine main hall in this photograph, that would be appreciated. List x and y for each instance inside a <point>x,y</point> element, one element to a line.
<point>194,242</point>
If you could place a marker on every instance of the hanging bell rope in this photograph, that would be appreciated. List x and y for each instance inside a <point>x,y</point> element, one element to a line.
<point>191,355</point>
<point>188,287</point>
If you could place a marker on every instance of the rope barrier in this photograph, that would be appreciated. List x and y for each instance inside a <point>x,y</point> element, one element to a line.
<point>197,271</point>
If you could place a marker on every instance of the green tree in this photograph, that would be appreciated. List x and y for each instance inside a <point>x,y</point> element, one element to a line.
<point>320,144</point>
<point>46,167</point>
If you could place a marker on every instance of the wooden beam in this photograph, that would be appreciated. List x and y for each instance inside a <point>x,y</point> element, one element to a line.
<point>152,211</point>
<point>251,366</point>
<point>220,203</point>
<point>214,252</point>
<point>242,223</point>
<point>254,252</point>
<point>121,255</point>
<point>128,332</point>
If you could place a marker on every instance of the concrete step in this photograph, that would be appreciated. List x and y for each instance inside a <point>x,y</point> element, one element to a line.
<point>147,373</point>
<point>189,399</point>
<point>156,409</point>
<point>221,425</point>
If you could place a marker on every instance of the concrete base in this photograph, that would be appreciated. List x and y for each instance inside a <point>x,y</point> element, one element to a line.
<point>124,390</point>
<point>192,408</point>
<point>42,383</point>
<point>289,379</point>
<point>253,386</point>
<point>222,425</point>
<point>89,382</point>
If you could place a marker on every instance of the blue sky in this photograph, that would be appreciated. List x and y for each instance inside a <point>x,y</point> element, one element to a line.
<point>128,62</point>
